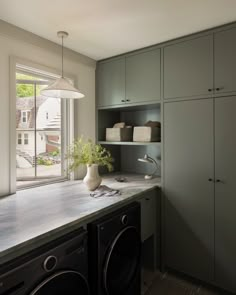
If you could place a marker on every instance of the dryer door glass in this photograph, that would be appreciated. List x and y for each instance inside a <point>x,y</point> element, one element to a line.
<point>122,264</point>
<point>61,283</point>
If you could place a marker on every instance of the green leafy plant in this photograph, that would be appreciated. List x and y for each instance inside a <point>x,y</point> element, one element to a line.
<point>82,152</point>
<point>42,161</point>
<point>55,153</point>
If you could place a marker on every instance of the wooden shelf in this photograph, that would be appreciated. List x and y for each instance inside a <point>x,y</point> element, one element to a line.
<point>129,143</point>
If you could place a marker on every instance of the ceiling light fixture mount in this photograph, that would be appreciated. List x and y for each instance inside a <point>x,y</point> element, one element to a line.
<point>62,88</point>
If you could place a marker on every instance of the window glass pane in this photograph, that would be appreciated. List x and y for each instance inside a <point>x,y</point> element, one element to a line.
<point>48,126</point>
<point>38,132</point>
<point>25,147</point>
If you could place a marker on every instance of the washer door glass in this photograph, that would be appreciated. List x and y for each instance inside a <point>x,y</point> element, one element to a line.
<point>122,264</point>
<point>62,283</point>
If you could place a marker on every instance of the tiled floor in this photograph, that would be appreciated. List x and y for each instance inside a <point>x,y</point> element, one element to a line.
<point>169,284</point>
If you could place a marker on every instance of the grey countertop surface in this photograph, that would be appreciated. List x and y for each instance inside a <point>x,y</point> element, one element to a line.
<point>35,216</point>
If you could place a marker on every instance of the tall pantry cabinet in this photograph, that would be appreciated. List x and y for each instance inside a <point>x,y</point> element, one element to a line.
<point>189,190</point>
<point>200,157</point>
<point>225,192</point>
<point>199,177</point>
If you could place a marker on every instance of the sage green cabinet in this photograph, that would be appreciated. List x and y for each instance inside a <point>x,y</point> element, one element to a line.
<point>150,228</point>
<point>199,188</point>
<point>111,82</point>
<point>225,192</point>
<point>143,76</point>
<point>148,215</point>
<point>225,61</point>
<point>189,187</point>
<point>188,68</point>
<point>132,79</point>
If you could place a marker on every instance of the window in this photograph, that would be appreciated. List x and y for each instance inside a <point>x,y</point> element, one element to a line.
<point>42,130</point>
<point>26,138</point>
<point>24,116</point>
<point>19,140</point>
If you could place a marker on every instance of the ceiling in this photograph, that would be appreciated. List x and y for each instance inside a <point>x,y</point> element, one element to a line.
<point>104,28</point>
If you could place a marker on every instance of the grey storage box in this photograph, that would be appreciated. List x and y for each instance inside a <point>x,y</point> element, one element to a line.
<point>119,134</point>
<point>147,133</point>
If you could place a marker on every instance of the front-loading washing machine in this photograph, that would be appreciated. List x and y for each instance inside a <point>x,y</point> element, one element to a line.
<point>57,268</point>
<point>114,252</point>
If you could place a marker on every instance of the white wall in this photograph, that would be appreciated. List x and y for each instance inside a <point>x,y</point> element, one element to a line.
<point>25,45</point>
<point>51,106</point>
<point>29,148</point>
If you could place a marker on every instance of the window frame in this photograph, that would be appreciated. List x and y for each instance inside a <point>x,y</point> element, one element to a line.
<point>67,124</point>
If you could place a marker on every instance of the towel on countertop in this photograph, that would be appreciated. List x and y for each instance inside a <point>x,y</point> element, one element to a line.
<point>104,191</point>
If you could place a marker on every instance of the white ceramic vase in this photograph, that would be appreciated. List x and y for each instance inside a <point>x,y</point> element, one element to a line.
<point>92,178</point>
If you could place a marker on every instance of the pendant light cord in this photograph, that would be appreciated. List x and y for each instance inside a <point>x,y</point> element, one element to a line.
<point>62,61</point>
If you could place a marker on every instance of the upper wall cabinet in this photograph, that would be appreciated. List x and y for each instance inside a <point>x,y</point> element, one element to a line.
<point>188,68</point>
<point>134,79</point>
<point>111,82</point>
<point>225,61</point>
<point>143,76</point>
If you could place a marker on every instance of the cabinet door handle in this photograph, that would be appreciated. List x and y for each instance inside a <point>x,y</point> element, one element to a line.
<point>219,88</point>
<point>123,100</point>
<point>209,89</point>
<point>210,179</point>
<point>219,181</point>
<point>147,199</point>
<point>127,99</point>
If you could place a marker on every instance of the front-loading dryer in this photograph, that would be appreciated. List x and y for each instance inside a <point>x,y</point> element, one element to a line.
<point>57,268</point>
<point>114,252</point>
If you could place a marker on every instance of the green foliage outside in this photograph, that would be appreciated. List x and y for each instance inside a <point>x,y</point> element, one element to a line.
<point>83,151</point>
<point>26,90</point>
<point>55,153</point>
<point>46,162</point>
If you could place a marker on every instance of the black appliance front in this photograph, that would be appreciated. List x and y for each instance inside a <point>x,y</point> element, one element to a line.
<point>114,253</point>
<point>57,268</point>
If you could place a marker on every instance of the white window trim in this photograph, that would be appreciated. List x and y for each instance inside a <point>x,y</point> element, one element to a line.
<point>68,123</point>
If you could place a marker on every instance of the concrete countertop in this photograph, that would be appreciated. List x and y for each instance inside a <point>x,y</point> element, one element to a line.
<point>35,216</point>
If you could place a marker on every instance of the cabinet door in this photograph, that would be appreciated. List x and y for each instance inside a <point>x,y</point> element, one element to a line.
<point>225,192</point>
<point>148,215</point>
<point>188,68</point>
<point>189,195</point>
<point>225,61</point>
<point>111,82</point>
<point>143,76</point>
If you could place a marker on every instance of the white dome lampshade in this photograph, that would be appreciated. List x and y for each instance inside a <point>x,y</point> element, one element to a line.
<point>62,87</point>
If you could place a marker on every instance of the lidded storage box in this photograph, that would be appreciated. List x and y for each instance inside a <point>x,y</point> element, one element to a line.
<point>148,133</point>
<point>119,133</point>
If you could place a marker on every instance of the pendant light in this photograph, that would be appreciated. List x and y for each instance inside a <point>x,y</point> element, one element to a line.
<point>62,88</point>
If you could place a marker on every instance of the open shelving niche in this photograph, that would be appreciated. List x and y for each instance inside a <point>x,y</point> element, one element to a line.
<point>127,153</point>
